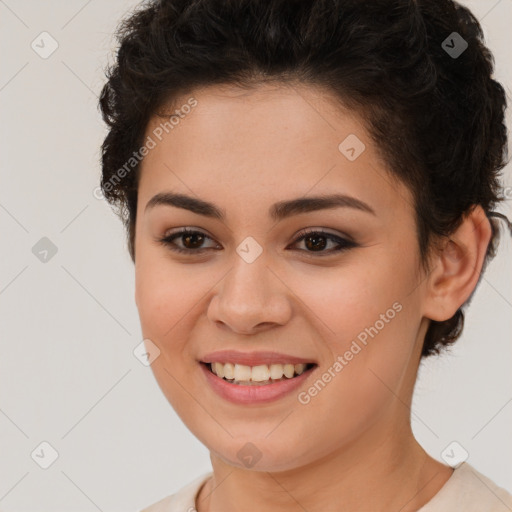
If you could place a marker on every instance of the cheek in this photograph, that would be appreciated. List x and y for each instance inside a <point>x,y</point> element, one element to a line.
<point>344,301</point>
<point>156,301</point>
<point>361,382</point>
<point>166,297</point>
<point>369,318</point>
<point>165,293</point>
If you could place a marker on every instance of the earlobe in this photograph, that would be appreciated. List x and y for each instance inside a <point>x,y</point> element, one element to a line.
<point>457,266</point>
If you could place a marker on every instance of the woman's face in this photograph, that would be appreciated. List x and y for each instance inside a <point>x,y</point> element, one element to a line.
<point>256,287</point>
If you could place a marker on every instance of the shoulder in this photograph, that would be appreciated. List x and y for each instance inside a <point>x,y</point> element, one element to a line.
<point>182,500</point>
<point>471,491</point>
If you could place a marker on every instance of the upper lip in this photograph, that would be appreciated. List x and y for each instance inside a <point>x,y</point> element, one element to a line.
<point>253,358</point>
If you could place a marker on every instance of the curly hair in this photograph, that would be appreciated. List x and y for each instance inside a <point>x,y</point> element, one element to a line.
<point>437,118</point>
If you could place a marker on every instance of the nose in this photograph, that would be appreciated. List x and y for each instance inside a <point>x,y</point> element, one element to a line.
<point>251,298</point>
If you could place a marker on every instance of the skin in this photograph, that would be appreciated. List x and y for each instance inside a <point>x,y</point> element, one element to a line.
<point>245,150</point>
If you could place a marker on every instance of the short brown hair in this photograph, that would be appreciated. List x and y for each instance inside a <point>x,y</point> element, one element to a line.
<point>437,118</point>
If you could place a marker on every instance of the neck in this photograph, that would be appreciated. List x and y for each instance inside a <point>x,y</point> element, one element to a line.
<point>384,469</point>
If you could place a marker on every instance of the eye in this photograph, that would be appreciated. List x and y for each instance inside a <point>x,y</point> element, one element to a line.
<point>316,240</point>
<point>191,239</point>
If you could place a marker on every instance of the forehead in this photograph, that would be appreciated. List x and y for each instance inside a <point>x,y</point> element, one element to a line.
<point>262,145</point>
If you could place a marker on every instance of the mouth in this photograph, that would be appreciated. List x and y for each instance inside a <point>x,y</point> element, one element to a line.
<point>255,378</point>
<point>259,375</point>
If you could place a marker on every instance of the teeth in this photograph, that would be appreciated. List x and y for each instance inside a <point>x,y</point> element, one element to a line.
<point>229,371</point>
<point>242,372</point>
<point>260,373</point>
<point>300,368</point>
<point>276,371</point>
<point>289,370</point>
<point>218,368</point>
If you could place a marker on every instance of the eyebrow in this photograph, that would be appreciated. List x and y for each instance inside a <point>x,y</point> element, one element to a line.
<point>277,211</point>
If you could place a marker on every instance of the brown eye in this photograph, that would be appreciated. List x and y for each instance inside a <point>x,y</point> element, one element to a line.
<point>191,241</point>
<point>316,241</point>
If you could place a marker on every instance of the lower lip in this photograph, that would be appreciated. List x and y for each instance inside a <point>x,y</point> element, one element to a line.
<point>240,394</point>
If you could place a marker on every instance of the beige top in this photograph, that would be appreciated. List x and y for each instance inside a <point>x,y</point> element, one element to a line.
<point>466,490</point>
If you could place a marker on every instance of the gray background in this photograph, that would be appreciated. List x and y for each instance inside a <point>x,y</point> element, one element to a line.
<point>70,325</point>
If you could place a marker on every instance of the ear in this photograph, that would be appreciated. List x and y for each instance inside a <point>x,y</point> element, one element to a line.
<point>456,267</point>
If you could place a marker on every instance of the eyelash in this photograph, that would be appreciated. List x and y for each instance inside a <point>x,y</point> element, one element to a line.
<point>344,243</point>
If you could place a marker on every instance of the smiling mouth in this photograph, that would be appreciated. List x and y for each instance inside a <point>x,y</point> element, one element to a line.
<point>260,375</point>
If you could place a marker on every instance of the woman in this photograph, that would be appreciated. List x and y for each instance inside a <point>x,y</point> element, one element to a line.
<point>308,191</point>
